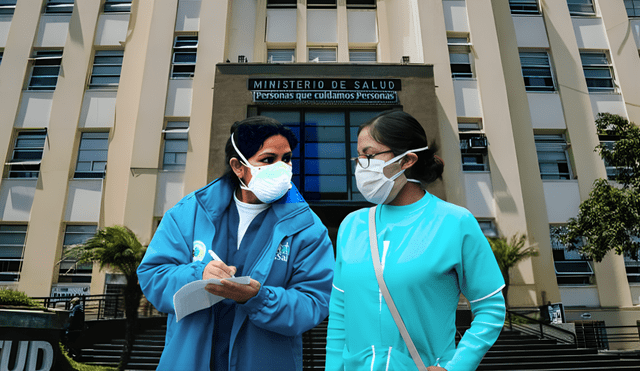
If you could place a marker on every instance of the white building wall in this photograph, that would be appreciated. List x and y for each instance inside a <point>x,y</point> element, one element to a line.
<point>455,15</point>
<point>479,194</point>
<point>562,199</point>
<point>530,32</point>
<point>188,18</point>
<point>590,33</point>
<point>84,200</point>
<point>5,25</point>
<point>546,111</point>
<point>98,109</point>
<point>16,198</point>
<point>35,109</point>
<point>52,31</point>
<point>112,29</point>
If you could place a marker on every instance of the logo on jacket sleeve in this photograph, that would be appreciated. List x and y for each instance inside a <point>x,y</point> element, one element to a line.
<point>283,252</point>
<point>199,249</point>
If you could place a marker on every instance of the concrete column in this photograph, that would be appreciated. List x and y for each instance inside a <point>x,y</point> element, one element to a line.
<point>405,38</point>
<point>301,26</point>
<point>43,245</point>
<point>624,54</point>
<point>517,185</point>
<point>213,27</point>
<point>436,52</point>
<point>343,32</point>
<point>259,44</point>
<point>613,287</point>
<point>13,69</point>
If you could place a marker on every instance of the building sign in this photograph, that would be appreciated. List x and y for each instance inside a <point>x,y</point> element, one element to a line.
<point>325,91</point>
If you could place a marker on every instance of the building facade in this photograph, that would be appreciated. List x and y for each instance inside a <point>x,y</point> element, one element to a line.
<point>111,111</point>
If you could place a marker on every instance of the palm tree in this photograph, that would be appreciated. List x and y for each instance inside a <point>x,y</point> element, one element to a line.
<point>509,254</point>
<point>119,248</point>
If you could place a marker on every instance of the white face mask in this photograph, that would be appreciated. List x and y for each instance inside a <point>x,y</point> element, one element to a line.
<point>269,182</point>
<point>374,185</point>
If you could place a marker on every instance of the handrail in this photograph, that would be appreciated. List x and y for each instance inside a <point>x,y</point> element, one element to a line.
<point>541,325</point>
<point>104,306</point>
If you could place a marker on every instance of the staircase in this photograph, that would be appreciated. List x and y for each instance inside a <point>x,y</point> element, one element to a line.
<point>513,351</point>
<point>145,355</point>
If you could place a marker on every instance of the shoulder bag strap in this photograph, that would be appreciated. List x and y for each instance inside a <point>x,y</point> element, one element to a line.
<point>375,256</point>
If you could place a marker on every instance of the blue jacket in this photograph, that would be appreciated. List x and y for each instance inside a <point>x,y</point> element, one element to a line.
<point>294,296</point>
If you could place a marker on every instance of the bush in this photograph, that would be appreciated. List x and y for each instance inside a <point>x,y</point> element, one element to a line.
<point>13,297</point>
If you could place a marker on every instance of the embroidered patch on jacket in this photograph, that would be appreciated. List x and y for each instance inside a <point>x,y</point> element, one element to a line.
<point>199,249</point>
<point>283,252</point>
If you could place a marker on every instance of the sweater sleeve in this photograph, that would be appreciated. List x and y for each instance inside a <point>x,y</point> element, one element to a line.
<point>167,265</point>
<point>304,302</point>
<point>489,314</point>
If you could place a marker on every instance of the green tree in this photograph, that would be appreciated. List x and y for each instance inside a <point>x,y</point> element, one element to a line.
<point>610,218</point>
<point>509,253</point>
<point>119,248</point>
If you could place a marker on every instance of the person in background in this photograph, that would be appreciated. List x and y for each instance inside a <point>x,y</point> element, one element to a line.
<point>257,224</point>
<point>430,252</point>
<point>74,328</point>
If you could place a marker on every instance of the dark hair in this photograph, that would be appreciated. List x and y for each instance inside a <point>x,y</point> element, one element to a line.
<point>249,136</point>
<point>401,132</point>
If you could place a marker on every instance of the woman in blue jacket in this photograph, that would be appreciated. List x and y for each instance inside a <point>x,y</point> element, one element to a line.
<point>430,252</point>
<point>257,224</point>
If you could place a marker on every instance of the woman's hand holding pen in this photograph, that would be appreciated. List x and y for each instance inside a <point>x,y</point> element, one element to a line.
<point>230,290</point>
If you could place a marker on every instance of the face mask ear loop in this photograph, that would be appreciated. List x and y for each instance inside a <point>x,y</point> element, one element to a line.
<point>246,163</point>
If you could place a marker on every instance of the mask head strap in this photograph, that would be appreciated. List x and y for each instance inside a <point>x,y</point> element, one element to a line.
<point>246,162</point>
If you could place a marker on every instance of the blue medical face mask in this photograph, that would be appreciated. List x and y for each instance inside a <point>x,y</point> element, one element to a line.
<point>374,185</point>
<point>270,182</point>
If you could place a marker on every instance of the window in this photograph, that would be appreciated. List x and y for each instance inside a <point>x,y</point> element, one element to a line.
<point>571,267</point>
<point>281,55</point>
<point>184,57</point>
<point>581,7</point>
<point>633,7</point>
<point>552,156</point>
<point>524,6</point>
<point>473,149</point>
<point>92,155</point>
<point>107,65</point>
<point>488,228</point>
<point>12,239</point>
<point>322,55</point>
<point>46,67</point>
<point>612,171</point>
<point>536,71</point>
<point>361,4</point>
<point>70,270</point>
<point>459,50</point>
<point>176,144</point>
<point>1,53</point>
<point>598,72</point>
<point>322,170</point>
<point>27,154</point>
<point>113,6</point>
<point>362,55</point>
<point>632,266</point>
<point>7,6</point>
<point>281,3</point>
<point>321,4</point>
<point>59,6</point>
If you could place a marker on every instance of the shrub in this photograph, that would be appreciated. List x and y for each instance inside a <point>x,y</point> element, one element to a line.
<point>13,297</point>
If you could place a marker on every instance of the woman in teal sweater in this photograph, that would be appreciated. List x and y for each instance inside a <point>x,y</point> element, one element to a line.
<point>430,251</point>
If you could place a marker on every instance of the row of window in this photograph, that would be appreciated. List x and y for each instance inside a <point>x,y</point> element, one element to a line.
<point>12,242</point>
<point>536,68</point>
<point>92,152</point>
<point>321,55</point>
<point>66,6</point>
<point>321,3</point>
<point>576,7</point>
<point>571,267</point>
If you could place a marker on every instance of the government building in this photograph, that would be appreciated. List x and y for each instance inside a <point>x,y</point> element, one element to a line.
<point>111,111</point>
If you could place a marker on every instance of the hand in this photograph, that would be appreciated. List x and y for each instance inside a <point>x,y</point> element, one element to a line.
<point>235,291</point>
<point>218,269</point>
<point>435,368</point>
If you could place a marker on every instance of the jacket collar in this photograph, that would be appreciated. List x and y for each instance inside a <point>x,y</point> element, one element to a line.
<point>216,196</point>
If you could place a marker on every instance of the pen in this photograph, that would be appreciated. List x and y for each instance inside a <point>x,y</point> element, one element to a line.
<point>216,257</point>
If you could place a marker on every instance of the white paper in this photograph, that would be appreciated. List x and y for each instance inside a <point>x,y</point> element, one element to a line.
<point>192,297</point>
